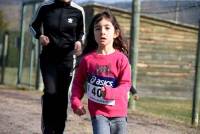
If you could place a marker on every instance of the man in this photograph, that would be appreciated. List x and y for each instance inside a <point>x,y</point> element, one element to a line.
<point>59,27</point>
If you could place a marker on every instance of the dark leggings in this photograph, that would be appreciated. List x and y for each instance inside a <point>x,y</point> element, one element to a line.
<point>57,79</point>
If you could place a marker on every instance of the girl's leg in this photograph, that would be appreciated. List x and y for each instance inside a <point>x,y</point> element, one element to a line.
<point>118,125</point>
<point>100,125</point>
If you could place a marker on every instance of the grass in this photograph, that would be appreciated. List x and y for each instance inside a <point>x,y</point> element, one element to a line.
<point>11,76</point>
<point>170,109</point>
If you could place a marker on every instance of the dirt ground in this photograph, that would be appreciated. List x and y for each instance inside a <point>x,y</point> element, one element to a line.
<point>20,113</point>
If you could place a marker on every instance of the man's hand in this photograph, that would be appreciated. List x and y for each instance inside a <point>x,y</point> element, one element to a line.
<point>77,48</point>
<point>136,97</point>
<point>44,40</point>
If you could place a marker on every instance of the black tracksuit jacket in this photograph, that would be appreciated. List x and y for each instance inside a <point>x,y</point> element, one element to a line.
<point>62,22</point>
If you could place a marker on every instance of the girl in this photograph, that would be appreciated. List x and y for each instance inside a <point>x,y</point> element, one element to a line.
<point>106,71</point>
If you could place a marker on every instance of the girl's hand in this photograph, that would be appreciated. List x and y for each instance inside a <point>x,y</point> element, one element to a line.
<point>103,92</point>
<point>80,111</point>
<point>44,40</point>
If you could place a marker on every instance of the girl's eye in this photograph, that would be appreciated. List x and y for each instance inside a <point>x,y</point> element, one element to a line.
<point>107,28</point>
<point>96,28</point>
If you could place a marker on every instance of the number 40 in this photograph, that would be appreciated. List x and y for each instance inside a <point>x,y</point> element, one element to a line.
<point>97,92</point>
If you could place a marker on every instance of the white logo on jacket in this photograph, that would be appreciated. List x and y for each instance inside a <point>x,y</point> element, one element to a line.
<point>70,20</point>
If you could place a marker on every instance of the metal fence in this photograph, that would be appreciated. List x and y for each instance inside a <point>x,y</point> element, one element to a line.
<point>28,69</point>
<point>19,52</point>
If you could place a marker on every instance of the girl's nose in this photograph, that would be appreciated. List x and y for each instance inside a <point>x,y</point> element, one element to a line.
<point>102,31</point>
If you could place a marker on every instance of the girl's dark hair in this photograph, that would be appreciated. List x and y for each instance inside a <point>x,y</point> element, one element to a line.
<point>119,42</point>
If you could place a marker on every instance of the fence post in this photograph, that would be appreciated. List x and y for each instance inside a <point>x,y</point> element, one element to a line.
<point>21,54</point>
<point>196,91</point>
<point>135,25</point>
<point>4,56</point>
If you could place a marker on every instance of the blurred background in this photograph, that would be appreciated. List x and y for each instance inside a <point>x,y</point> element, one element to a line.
<point>167,48</point>
<point>160,56</point>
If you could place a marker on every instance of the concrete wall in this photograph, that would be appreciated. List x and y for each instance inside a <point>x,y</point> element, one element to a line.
<point>167,53</point>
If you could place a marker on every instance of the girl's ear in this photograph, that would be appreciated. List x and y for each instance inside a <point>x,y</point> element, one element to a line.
<point>116,34</point>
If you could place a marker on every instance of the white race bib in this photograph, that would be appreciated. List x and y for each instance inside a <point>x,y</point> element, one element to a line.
<point>94,94</point>
<point>94,88</point>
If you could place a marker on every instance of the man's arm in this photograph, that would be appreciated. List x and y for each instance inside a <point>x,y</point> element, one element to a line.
<point>36,24</point>
<point>80,32</point>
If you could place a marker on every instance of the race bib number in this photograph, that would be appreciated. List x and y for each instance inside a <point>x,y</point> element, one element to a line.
<point>94,89</point>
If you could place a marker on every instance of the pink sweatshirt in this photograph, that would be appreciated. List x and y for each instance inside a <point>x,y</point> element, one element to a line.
<point>111,71</point>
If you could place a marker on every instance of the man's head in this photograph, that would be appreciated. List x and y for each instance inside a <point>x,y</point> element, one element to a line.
<point>63,0</point>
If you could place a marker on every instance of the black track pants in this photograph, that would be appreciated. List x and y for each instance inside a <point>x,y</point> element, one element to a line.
<point>57,79</point>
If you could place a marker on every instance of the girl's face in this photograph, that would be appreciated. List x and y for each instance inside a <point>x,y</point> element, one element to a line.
<point>104,33</point>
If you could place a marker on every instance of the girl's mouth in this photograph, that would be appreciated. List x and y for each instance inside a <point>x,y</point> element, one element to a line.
<point>102,38</point>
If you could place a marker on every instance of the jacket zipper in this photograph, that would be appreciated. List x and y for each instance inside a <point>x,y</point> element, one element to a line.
<point>60,19</point>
